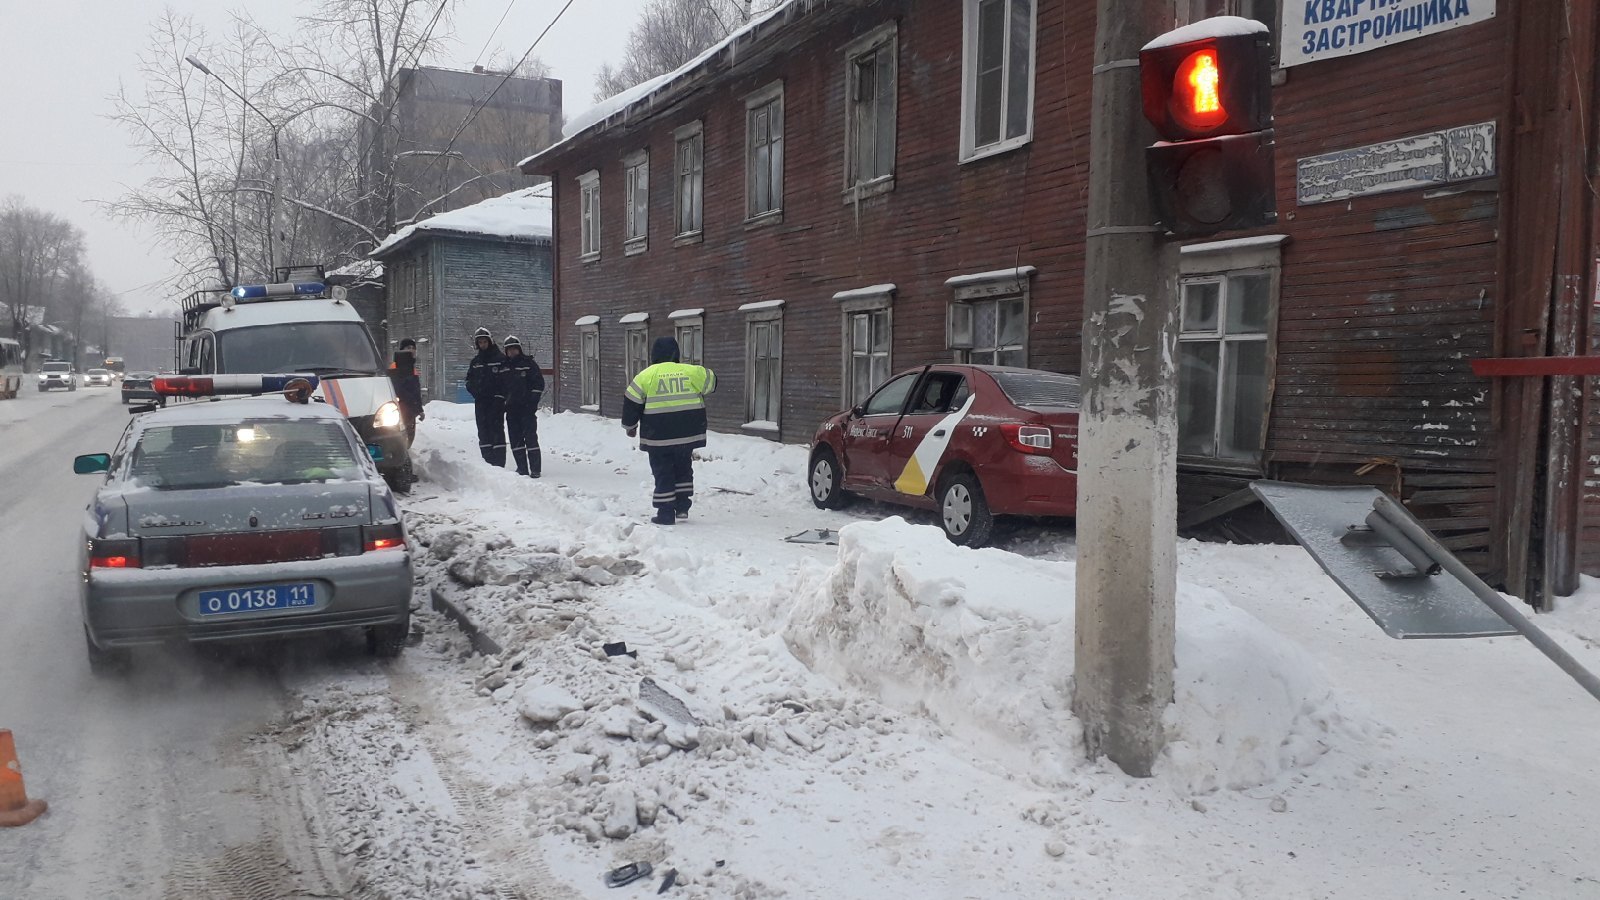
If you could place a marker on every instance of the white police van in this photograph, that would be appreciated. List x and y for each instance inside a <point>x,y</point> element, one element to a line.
<point>298,327</point>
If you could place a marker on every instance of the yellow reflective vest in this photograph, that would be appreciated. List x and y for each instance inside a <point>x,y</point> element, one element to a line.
<point>668,403</point>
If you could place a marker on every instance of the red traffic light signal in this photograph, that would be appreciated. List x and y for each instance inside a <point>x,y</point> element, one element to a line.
<point>1208,87</point>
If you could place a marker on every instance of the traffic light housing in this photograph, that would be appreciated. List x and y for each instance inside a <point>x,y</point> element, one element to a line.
<point>1210,99</point>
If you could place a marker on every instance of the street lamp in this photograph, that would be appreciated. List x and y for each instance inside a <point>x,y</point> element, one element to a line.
<point>277,161</point>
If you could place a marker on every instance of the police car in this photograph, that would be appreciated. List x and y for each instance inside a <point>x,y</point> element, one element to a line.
<point>969,442</point>
<point>242,518</point>
<point>301,327</point>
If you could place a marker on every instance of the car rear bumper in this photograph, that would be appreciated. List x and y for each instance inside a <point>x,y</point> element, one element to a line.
<point>1027,485</point>
<point>128,608</point>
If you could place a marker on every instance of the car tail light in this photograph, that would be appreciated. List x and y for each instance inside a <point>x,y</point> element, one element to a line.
<point>114,554</point>
<point>383,537</point>
<point>1027,438</point>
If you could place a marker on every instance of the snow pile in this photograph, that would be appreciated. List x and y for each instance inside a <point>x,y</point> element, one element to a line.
<point>983,642</point>
<point>519,215</point>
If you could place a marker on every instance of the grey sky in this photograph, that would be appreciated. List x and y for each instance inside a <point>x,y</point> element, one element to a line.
<point>59,152</point>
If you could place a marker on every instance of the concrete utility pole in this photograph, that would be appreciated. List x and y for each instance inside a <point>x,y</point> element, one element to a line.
<point>1127,452</point>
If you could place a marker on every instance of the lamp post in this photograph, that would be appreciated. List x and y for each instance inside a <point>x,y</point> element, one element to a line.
<point>277,161</point>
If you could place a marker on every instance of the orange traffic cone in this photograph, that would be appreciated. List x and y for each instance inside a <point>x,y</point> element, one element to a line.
<point>15,807</point>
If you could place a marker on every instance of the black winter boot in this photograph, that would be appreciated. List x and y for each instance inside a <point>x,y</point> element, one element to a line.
<point>664,516</point>
<point>535,464</point>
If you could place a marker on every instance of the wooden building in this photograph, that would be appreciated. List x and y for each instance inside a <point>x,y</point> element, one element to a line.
<point>848,188</point>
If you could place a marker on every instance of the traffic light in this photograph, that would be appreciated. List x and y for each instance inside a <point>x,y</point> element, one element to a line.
<point>1207,88</point>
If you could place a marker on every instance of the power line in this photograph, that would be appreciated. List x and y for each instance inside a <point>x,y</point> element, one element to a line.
<point>479,58</point>
<point>478,108</point>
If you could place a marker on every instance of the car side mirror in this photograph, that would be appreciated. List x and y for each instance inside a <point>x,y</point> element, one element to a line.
<point>189,370</point>
<point>858,410</point>
<point>90,463</point>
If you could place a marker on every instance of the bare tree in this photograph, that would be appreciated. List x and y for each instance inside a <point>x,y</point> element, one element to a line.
<point>41,267</point>
<point>670,33</point>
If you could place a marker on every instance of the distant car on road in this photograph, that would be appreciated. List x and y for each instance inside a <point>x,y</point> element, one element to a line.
<point>57,374</point>
<point>139,386</point>
<point>968,442</point>
<point>240,519</point>
<point>97,378</point>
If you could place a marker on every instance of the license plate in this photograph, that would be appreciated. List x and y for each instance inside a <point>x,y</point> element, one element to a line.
<point>254,599</point>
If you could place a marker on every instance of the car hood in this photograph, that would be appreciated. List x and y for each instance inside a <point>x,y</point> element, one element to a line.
<point>248,507</point>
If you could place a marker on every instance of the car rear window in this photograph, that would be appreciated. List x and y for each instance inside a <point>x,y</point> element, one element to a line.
<point>98,372</point>
<point>1033,389</point>
<point>57,367</point>
<point>190,457</point>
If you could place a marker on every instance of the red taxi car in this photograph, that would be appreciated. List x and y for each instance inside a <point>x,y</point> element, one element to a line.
<point>970,442</point>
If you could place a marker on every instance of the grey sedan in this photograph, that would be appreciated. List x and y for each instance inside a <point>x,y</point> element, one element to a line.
<point>239,519</point>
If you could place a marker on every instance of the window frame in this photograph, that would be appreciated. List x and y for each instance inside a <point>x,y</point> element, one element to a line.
<point>769,96</point>
<point>589,216</point>
<point>762,315</point>
<point>969,292</point>
<point>1211,262</point>
<point>635,337</point>
<point>636,220</point>
<point>692,134</point>
<point>970,151</point>
<point>690,321</point>
<point>853,304</point>
<point>884,38</point>
<point>588,366</point>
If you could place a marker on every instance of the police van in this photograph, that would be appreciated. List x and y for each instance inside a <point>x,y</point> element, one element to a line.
<point>301,328</point>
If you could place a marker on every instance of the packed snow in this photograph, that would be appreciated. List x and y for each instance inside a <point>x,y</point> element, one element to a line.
<point>890,717</point>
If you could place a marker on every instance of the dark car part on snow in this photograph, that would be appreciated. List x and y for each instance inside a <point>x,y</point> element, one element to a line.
<point>620,648</point>
<point>668,881</point>
<point>627,874</point>
<point>814,536</point>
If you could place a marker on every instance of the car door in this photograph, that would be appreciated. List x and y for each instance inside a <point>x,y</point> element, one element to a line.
<point>919,440</point>
<point>867,433</point>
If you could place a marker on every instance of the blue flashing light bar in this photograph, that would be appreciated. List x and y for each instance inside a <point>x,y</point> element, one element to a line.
<point>284,289</point>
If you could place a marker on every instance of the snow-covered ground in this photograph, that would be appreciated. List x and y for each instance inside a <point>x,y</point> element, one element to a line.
<point>889,717</point>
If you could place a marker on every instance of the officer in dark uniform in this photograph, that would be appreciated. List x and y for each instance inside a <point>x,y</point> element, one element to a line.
<point>524,387</point>
<point>408,387</point>
<point>486,381</point>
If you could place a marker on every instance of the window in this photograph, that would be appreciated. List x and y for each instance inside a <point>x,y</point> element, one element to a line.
<point>636,180</point>
<point>589,239</point>
<point>870,120</point>
<point>690,178</point>
<point>990,332</point>
<point>589,364</point>
<point>691,334</point>
<point>939,393</point>
<point>636,353</point>
<point>891,398</point>
<point>1263,11</point>
<point>997,89</point>
<point>868,364</point>
<point>763,364</point>
<point>764,152</point>
<point>1222,365</point>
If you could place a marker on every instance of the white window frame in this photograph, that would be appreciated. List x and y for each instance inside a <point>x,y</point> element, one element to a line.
<point>877,301</point>
<point>883,39</point>
<point>689,137</point>
<point>970,150</point>
<point>589,215</point>
<point>690,321</point>
<point>1215,262</point>
<point>636,197</point>
<point>635,344</point>
<point>588,365</point>
<point>764,315</point>
<point>769,96</point>
<point>973,293</point>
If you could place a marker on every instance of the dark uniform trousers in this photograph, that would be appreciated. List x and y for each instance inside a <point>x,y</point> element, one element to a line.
<point>523,426</point>
<point>673,468</point>
<point>491,415</point>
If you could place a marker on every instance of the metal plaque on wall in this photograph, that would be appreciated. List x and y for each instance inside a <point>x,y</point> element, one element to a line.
<point>1424,160</point>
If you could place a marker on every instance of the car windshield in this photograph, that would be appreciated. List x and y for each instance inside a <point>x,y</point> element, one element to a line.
<point>319,347</point>
<point>98,372</point>
<point>1033,389</point>
<point>189,457</point>
<point>57,367</point>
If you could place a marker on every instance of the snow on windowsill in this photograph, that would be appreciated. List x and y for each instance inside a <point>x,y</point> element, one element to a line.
<point>1214,27</point>
<point>686,313</point>
<point>761,425</point>
<point>1260,240</point>
<point>634,318</point>
<point>1016,274</point>
<point>876,290</point>
<point>760,305</point>
<point>586,320</point>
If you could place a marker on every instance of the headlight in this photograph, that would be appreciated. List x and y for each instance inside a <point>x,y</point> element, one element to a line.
<point>387,416</point>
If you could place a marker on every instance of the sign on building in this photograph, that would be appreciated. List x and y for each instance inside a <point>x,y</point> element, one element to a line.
<point>1423,160</point>
<point>1324,29</point>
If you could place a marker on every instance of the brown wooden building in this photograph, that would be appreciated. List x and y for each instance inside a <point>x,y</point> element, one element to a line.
<point>849,188</point>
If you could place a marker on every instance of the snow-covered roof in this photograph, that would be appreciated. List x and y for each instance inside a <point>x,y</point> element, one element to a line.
<point>601,113</point>
<point>521,215</point>
<point>1216,26</point>
<point>361,268</point>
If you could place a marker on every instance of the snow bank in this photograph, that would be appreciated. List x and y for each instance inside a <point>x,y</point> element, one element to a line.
<point>523,214</point>
<point>983,642</point>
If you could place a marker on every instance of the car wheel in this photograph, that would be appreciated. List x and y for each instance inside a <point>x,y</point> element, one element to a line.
<point>826,476</point>
<point>105,663</point>
<point>963,511</point>
<point>386,641</point>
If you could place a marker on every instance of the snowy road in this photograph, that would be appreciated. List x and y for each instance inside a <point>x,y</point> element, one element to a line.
<point>155,786</point>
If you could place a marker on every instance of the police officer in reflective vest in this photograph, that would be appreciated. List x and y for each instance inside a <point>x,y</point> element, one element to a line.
<point>665,407</point>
